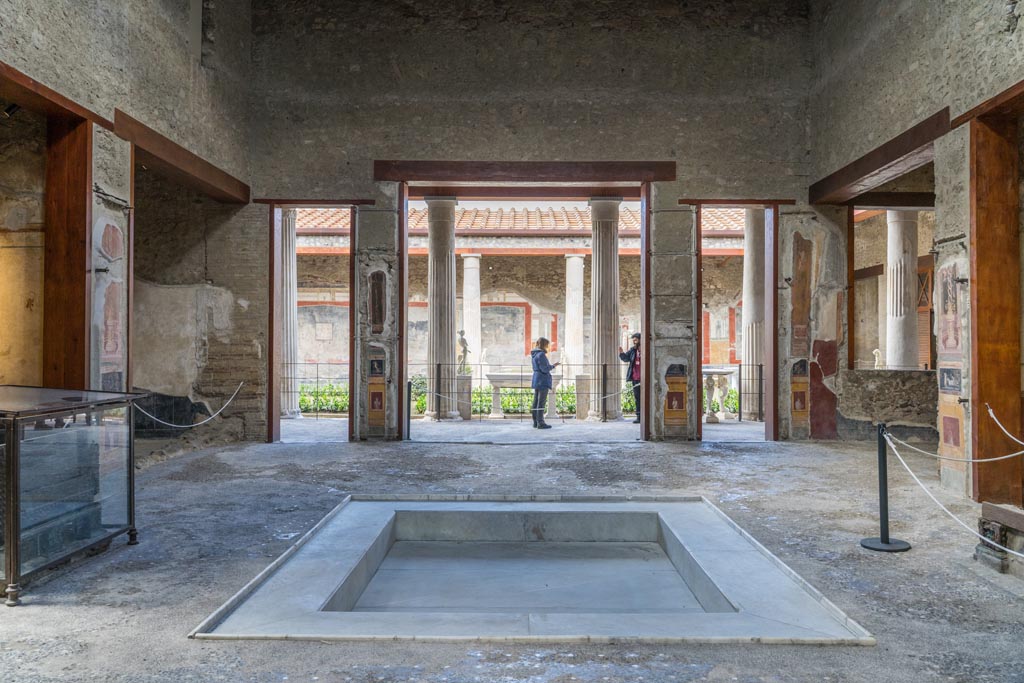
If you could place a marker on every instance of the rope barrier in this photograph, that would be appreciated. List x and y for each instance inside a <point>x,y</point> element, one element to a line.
<point>946,457</point>
<point>992,414</point>
<point>196,424</point>
<point>943,507</point>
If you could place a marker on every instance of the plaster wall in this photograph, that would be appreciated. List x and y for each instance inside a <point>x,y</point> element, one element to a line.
<point>22,180</point>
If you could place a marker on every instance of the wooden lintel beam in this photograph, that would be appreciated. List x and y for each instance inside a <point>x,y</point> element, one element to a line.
<point>736,203</point>
<point>1010,102</point>
<point>160,153</point>
<point>907,151</point>
<point>442,172</point>
<point>315,203</point>
<point>25,91</point>
<point>540,194</point>
<point>921,201</point>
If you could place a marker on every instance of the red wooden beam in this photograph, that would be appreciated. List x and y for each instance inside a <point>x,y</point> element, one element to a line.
<point>162,154</point>
<point>735,203</point>
<point>542,193</point>
<point>29,93</point>
<point>907,151</point>
<point>67,255</point>
<point>314,203</point>
<point>1010,102</point>
<point>922,201</point>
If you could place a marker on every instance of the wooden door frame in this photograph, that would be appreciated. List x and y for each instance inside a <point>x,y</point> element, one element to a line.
<point>771,302</point>
<point>275,319</point>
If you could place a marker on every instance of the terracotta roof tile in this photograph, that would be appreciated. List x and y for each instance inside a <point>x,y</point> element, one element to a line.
<point>539,219</point>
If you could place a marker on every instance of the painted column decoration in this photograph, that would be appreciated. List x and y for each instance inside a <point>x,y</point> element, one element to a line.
<point>604,306</point>
<point>753,308</point>
<point>290,317</point>
<point>572,344</point>
<point>441,333</point>
<point>901,291</point>
<point>471,311</point>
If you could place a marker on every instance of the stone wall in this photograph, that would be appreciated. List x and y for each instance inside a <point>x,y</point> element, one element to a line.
<point>200,309</point>
<point>143,57</point>
<point>904,399</point>
<point>881,66</point>
<point>493,81</point>
<point>22,180</point>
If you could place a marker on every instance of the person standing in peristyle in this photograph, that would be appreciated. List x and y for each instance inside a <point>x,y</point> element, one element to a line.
<point>632,358</point>
<point>541,382</point>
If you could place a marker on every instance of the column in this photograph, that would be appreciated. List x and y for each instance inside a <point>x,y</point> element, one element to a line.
<point>752,321</point>
<point>572,342</point>
<point>441,333</point>
<point>901,290</point>
<point>471,312</point>
<point>604,306</point>
<point>290,317</point>
<point>882,322</point>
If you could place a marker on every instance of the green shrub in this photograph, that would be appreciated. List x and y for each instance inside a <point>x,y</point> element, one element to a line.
<point>732,402</point>
<point>325,398</point>
<point>481,400</point>
<point>628,400</point>
<point>565,399</point>
<point>419,393</point>
<point>516,401</point>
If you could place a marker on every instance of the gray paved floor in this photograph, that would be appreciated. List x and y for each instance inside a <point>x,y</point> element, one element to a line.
<point>213,519</point>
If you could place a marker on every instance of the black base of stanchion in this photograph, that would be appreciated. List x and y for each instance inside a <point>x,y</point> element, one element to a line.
<point>894,545</point>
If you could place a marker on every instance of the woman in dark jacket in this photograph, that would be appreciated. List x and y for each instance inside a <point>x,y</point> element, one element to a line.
<point>541,382</point>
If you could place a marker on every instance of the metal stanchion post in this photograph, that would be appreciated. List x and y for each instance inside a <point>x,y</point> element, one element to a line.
<point>437,392</point>
<point>739,394</point>
<point>408,410</point>
<point>883,543</point>
<point>604,392</point>
<point>760,392</point>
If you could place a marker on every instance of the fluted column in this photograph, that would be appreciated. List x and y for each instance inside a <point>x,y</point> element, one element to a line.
<point>604,306</point>
<point>752,322</point>
<point>901,290</point>
<point>290,317</point>
<point>572,344</point>
<point>471,311</point>
<point>441,332</point>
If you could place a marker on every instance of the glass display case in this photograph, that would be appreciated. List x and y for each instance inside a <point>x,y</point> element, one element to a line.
<point>68,476</point>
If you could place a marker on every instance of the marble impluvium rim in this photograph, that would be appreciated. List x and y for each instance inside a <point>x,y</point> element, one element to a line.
<point>747,594</point>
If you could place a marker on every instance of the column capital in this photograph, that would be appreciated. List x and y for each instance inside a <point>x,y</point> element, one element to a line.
<point>441,201</point>
<point>579,256</point>
<point>604,209</point>
<point>901,216</point>
<point>470,256</point>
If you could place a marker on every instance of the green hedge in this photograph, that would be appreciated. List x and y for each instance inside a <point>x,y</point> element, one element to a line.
<point>326,398</point>
<point>732,402</point>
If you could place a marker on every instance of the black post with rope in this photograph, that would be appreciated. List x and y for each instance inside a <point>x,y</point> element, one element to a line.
<point>883,543</point>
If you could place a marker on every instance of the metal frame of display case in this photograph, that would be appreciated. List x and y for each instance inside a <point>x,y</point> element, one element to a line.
<point>13,576</point>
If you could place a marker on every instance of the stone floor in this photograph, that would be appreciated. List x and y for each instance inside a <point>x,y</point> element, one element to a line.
<point>733,430</point>
<point>513,431</point>
<point>211,520</point>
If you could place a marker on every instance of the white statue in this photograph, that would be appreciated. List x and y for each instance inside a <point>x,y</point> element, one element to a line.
<point>879,364</point>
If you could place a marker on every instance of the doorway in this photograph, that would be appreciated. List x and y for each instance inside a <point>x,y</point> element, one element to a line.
<point>737,324</point>
<point>524,270</point>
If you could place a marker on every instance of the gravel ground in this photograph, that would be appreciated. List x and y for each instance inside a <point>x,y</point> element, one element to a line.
<point>212,519</point>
